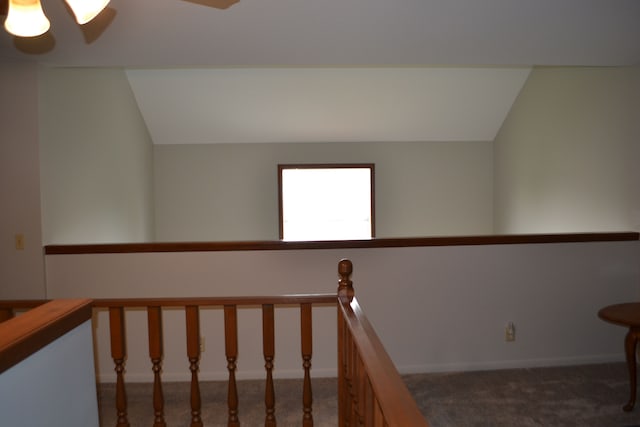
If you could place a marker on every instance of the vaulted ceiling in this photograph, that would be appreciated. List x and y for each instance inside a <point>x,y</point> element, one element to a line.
<point>289,70</point>
<point>325,104</point>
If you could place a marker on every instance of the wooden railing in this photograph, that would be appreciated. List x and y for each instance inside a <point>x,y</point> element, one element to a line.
<point>370,389</point>
<point>192,308</point>
<point>27,334</point>
<point>46,366</point>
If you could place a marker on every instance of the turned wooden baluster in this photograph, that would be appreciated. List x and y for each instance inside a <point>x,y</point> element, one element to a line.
<point>348,396</point>
<point>268,347</point>
<point>193,353</point>
<point>378,416</point>
<point>351,378</point>
<point>368,402</point>
<point>154,317</point>
<point>360,390</point>
<point>118,353</point>
<point>306,341</point>
<point>231,351</point>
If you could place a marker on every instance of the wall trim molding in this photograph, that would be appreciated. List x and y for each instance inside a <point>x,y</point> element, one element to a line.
<point>268,245</point>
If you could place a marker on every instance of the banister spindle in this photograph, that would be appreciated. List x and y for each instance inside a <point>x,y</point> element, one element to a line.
<point>368,402</point>
<point>306,341</point>
<point>231,352</point>
<point>360,391</point>
<point>154,317</point>
<point>268,348</point>
<point>378,416</point>
<point>351,380</point>
<point>192,315</point>
<point>354,387</point>
<point>119,353</point>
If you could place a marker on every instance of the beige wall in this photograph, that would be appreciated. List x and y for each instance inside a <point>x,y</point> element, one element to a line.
<point>97,188</point>
<point>21,271</point>
<point>562,162</point>
<point>229,191</point>
<point>96,159</point>
<point>566,156</point>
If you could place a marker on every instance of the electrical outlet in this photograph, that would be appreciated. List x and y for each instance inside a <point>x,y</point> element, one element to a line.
<point>510,332</point>
<point>202,347</point>
<point>19,240</point>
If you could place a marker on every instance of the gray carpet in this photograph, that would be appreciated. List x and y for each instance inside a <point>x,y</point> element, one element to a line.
<point>591,395</point>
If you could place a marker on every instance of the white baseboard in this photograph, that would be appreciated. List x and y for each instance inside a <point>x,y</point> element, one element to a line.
<point>510,364</point>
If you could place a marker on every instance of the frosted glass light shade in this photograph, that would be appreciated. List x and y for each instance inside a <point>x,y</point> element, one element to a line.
<point>25,18</point>
<point>86,10</point>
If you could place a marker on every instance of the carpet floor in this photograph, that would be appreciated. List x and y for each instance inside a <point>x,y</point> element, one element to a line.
<point>585,396</point>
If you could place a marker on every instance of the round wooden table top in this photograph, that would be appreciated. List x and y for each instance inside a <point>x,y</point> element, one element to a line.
<point>627,314</point>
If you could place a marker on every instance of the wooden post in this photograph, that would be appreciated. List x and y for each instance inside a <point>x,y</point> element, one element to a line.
<point>345,346</point>
<point>268,346</point>
<point>118,353</point>
<point>192,315</point>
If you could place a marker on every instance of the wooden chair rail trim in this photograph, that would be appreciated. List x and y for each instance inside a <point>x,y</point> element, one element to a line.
<point>24,335</point>
<point>291,299</point>
<point>395,400</point>
<point>338,244</point>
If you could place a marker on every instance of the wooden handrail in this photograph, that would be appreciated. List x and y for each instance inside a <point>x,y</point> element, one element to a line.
<point>371,391</point>
<point>24,335</point>
<point>293,299</point>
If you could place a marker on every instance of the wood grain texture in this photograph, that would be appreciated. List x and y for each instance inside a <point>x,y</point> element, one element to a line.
<point>24,335</point>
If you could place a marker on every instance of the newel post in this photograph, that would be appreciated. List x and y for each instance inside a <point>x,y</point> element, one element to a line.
<point>345,285</point>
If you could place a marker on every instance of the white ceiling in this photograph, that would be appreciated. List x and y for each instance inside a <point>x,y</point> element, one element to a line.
<point>325,104</point>
<point>249,33</point>
<point>333,70</point>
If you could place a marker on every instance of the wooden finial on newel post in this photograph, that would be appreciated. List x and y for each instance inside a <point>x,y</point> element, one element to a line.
<point>345,285</point>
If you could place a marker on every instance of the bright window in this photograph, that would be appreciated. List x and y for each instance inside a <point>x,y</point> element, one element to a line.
<point>326,202</point>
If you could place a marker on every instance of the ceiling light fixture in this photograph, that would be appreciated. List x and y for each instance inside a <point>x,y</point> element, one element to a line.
<point>25,18</point>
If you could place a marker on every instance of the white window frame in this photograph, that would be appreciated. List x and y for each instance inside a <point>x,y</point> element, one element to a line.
<point>314,209</point>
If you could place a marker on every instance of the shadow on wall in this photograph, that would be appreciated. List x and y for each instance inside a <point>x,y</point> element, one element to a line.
<point>218,4</point>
